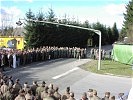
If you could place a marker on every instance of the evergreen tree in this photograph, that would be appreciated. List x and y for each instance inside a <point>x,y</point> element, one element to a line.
<point>30,29</point>
<point>128,23</point>
<point>110,35</point>
<point>39,30</point>
<point>102,28</point>
<point>115,32</point>
<point>50,15</point>
<point>122,34</point>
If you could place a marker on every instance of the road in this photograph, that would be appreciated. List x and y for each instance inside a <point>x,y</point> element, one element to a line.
<point>66,72</point>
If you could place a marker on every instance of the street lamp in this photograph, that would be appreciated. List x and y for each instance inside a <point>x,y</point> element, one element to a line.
<point>89,29</point>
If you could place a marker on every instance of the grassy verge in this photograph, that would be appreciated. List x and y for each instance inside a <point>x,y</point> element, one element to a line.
<point>108,66</point>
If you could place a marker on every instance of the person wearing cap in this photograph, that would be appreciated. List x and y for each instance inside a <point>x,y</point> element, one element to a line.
<point>50,94</point>
<point>71,96</point>
<point>17,86</point>
<point>21,95</point>
<point>112,98</point>
<point>34,87</point>
<point>95,97</point>
<point>84,96</point>
<point>90,94</point>
<point>40,89</point>
<point>4,88</point>
<point>51,88</point>
<point>67,94</point>
<point>57,94</point>
<point>107,95</point>
<point>10,81</point>
<point>44,94</point>
<point>26,87</point>
<point>9,94</point>
<point>29,95</point>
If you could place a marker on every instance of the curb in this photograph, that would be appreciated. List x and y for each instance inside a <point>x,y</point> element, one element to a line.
<point>117,75</point>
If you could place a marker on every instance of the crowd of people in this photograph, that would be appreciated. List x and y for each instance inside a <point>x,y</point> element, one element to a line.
<point>94,54</point>
<point>14,90</point>
<point>15,58</point>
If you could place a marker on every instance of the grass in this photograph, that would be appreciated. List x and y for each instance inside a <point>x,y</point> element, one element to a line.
<point>108,66</point>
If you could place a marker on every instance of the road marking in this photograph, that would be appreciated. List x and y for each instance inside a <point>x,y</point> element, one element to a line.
<point>63,74</point>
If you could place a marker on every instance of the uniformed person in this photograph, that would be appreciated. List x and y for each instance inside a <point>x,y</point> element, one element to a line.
<point>67,94</point>
<point>3,60</point>
<point>95,97</point>
<point>8,95</point>
<point>90,94</point>
<point>10,81</point>
<point>17,87</point>
<point>84,53</point>
<point>29,95</point>
<point>24,57</point>
<point>44,94</point>
<point>40,89</point>
<point>112,98</point>
<point>1,96</point>
<point>107,95</point>
<point>51,88</point>
<point>10,59</point>
<point>50,96</point>
<point>4,88</point>
<point>84,96</point>
<point>26,87</point>
<point>71,96</point>
<point>34,87</point>
<point>21,95</point>
<point>57,94</point>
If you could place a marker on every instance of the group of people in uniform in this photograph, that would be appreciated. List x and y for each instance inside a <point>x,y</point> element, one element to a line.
<point>14,58</point>
<point>94,54</point>
<point>14,90</point>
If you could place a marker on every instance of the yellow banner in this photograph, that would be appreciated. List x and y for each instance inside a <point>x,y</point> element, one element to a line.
<point>15,42</point>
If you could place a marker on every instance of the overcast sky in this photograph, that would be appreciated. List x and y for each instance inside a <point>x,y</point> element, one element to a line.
<point>105,11</point>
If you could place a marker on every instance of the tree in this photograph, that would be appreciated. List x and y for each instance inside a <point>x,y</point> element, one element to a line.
<point>128,23</point>
<point>50,15</point>
<point>115,32</point>
<point>104,36</point>
<point>122,35</point>
<point>110,35</point>
<point>30,29</point>
<point>43,34</point>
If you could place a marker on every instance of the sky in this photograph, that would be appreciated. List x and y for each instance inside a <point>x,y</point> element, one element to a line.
<point>104,11</point>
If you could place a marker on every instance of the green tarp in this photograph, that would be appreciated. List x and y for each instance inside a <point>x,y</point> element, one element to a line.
<point>123,53</point>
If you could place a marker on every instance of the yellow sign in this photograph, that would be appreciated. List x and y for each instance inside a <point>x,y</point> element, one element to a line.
<point>15,42</point>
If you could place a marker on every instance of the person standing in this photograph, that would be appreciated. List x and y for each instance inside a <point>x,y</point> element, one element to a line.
<point>34,87</point>
<point>67,94</point>
<point>8,95</point>
<point>14,60</point>
<point>4,88</point>
<point>10,59</point>
<point>57,95</point>
<point>2,60</point>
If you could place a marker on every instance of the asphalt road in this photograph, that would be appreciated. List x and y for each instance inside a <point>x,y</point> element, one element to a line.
<point>66,72</point>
